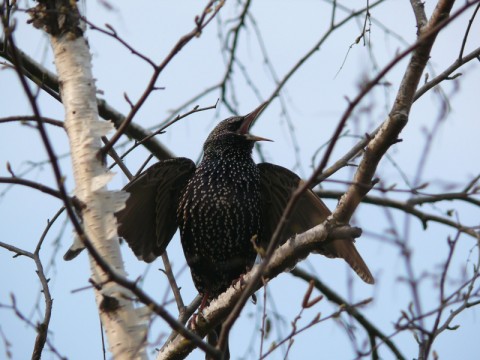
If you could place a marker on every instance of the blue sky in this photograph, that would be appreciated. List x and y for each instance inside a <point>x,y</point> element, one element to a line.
<point>315,98</point>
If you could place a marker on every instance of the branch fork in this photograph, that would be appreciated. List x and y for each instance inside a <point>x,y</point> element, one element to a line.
<point>284,258</point>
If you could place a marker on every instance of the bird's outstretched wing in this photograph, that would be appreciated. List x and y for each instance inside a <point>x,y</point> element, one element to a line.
<point>277,186</point>
<point>149,221</point>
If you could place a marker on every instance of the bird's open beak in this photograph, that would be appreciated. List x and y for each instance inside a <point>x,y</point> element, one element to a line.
<point>249,120</point>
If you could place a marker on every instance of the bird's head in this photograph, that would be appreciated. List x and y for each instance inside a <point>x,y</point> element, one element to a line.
<point>234,132</point>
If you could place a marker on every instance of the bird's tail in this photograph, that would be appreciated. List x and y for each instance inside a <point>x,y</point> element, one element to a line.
<point>346,249</point>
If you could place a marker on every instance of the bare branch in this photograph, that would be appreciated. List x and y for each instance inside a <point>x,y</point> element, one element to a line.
<point>200,23</point>
<point>445,75</point>
<point>470,22</point>
<point>285,257</point>
<point>26,118</point>
<point>48,82</point>
<point>337,299</point>
<point>34,185</point>
<point>418,8</point>
<point>408,208</point>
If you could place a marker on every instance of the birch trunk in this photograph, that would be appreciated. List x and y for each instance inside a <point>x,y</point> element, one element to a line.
<point>125,328</point>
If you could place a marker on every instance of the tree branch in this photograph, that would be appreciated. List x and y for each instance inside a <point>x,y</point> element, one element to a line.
<point>285,257</point>
<point>200,23</point>
<point>445,75</point>
<point>48,82</point>
<point>371,329</point>
<point>408,208</point>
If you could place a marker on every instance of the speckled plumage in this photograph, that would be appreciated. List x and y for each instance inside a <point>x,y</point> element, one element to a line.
<point>219,212</point>
<point>219,206</point>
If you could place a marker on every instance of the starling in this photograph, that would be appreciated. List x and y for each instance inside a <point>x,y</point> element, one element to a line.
<point>219,207</point>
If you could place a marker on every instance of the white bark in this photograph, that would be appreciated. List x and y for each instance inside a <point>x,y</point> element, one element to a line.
<point>284,258</point>
<point>125,329</point>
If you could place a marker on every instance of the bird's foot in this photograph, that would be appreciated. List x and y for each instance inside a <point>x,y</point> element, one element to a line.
<point>240,281</point>
<point>193,321</point>
<point>202,306</point>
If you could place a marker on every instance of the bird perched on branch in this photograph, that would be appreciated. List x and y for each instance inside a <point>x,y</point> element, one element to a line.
<point>219,207</point>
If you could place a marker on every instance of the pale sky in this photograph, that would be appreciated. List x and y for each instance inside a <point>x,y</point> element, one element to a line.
<point>315,98</point>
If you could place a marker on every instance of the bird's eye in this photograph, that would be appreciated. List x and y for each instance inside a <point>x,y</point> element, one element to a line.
<point>235,125</point>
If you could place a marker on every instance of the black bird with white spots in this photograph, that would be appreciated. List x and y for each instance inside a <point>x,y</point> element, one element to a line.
<point>220,207</point>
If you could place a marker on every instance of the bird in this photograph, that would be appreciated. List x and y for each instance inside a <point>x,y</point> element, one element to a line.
<point>220,206</point>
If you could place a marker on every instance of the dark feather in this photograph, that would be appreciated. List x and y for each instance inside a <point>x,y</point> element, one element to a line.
<point>148,221</point>
<point>277,186</point>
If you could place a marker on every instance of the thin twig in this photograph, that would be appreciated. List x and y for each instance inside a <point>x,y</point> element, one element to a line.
<point>168,124</point>
<point>200,23</point>
<point>48,82</point>
<point>26,118</point>
<point>337,299</point>
<point>467,31</point>
<point>407,208</point>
